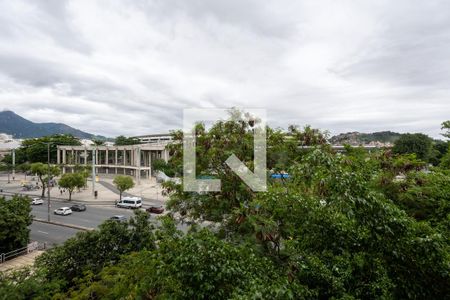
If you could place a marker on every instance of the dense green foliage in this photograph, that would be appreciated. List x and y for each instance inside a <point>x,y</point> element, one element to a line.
<point>161,165</point>
<point>15,217</point>
<point>122,141</point>
<point>36,149</point>
<point>198,266</point>
<point>445,161</point>
<point>446,126</point>
<point>353,225</point>
<point>44,173</point>
<point>416,143</point>
<point>71,181</point>
<point>123,183</point>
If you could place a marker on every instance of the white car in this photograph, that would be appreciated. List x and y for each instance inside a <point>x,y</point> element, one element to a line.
<point>64,211</point>
<point>37,201</point>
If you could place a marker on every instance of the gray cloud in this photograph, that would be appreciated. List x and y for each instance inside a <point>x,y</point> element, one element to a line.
<point>120,67</point>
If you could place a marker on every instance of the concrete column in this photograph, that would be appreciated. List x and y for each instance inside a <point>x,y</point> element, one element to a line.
<point>85,156</point>
<point>150,162</point>
<point>124,158</point>
<point>138,158</point>
<point>64,157</point>
<point>58,156</point>
<point>72,162</point>
<point>115,157</point>
<point>166,155</point>
<point>107,157</point>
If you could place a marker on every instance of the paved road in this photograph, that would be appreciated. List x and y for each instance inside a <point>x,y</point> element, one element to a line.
<point>91,218</point>
<point>50,234</point>
<point>54,234</point>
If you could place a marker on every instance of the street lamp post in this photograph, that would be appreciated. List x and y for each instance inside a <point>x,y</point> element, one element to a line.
<point>94,157</point>
<point>13,163</point>
<point>48,181</point>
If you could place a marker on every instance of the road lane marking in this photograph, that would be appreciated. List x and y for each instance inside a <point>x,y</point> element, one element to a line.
<point>42,232</point>
<point>85,220</point>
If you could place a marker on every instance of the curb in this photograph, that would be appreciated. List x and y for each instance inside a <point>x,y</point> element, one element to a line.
<point>64,225</point>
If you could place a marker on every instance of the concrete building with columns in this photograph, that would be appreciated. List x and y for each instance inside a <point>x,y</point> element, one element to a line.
<point>133,160</point>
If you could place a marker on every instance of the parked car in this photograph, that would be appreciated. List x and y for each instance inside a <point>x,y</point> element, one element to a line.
<point>155,209</point>
<point>37,201</point>
<point>118,218</point>
<point>64,211</point>
<point>129,202</point>
<point>78,207</point>
<point>29,187</point>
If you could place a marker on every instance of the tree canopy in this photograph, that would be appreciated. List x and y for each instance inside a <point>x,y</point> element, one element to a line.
<point>44,171</point>
<point>351,225</point>
<point>446,126</point>
<point>71,181</point>
<point>15,217</point>
<point>123,183</point>
<point>122,141</point>
<point>417,143</point>
<point>36,149</point>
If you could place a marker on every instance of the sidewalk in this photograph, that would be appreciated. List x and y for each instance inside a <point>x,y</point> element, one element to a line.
<point>21,261</point>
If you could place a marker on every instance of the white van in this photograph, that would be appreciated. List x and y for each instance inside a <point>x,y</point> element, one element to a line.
<point>130,202</point>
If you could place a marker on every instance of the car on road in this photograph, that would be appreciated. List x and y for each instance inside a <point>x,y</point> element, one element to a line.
<point>63,211</point>
<point>130,202</point>
<point>118,218</point>
<point>78,207</point>
<point>155,209</point>
<point>37,201</point>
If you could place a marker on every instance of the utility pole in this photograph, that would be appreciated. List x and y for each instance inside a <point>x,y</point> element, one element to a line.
<point>93,172</point>
<point>48,181</point>
<point>13,163</point>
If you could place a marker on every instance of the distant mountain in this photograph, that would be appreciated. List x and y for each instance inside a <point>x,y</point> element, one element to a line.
<point>358,138</point>
<point>18,127</point>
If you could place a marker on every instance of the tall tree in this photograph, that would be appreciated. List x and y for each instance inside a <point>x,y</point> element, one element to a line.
<point>43,172</point>
<point>215,145</point>
<point>15,217</point>
<point>35,150</point>
<point>92,250</point>
<point>417,143</point>
<point>85,171</point>
<point>71,181</point>
<point>446,126</point>
<point>123,183</point>
<point>122,141</point>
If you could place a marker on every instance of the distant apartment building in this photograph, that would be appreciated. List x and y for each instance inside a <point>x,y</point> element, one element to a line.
<point>154,138</point>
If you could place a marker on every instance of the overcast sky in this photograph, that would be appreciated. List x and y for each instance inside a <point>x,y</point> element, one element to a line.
<point>130,67</point>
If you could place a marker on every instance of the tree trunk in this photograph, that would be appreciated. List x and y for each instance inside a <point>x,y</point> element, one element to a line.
<point>120,195</point>
<point>70,195</point>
